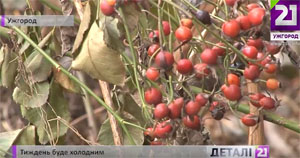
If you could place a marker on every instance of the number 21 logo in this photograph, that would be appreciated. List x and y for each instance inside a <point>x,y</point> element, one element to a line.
<point>285,15</point>
<point>262,151</point>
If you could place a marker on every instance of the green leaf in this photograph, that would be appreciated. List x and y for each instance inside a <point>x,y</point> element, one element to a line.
<point>9,67</point>
<point>106,137</point>
<point>130,106</point>
<point>56,107</point>
<point>25,136</point>
<point>36,98</point>
<point>7,139</point>
<point>85,24</point>
<point>112,35</point>
<point>98,60</point>
<point>63,79</point>
<point>37,67</point>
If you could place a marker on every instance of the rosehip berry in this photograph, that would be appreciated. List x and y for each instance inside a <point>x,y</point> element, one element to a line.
<point>152,74</point>
<point>166,28</point>
<point>231,28</point>
<point>153,96</point>
<point>249,120</point>
<point>184,66</point>
<point>152,49</point>
<point>218,50</point>
<point>203,16</point>
<point>254,99</point>
<point>251,6</point>
<point>256,16</point>
<point>251,72</point>
<point>232,92</point>
<point>272,84</point>
<point>106,9</point>
<point>193,123</point>
<point>164,59</point>
<point>183,33</point>
<point>262,59</point>
<point>258,43</point>
<point>175,108</point>
<point>244,22</point>
<point>267,102</point>
<point>162,129</point>
<point>272,48</point>
<point>209,57</point>
<point>233,79</point>
<point>230,2</point>
<point>111,2</point>
<point>149,132</point>
<point>186,22</point>
<point>201,70</point>
<point>270,68</point>
<point>250,52</point>
<point>192,108</point>
<point>201,99</point>
<point>161,110</point>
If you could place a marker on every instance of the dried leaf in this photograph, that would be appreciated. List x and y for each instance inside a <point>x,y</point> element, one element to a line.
<point>98,60</point>
<point>132,14</point>
<point>84,26</point>
<point>37,98</point>
<point>27,136</point>
<point>63,79</point>
<point>7,139</point>
<point>9,67</point>
<point>57,106</point>
<point>106,137</point>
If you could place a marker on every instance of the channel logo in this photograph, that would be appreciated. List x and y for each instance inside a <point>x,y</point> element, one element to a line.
<point>285,15</point>
<point>262,151</point>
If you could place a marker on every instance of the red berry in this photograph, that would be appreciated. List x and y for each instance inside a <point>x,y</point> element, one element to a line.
<point>233,79</point>
<point>162,129</point>
<point>175,110</point>
<point>192,108</point>
<point>164,59</point>
<point>201,99</point>
<point>161,111</point>
<point>193,123</point>
<point>244,22</point>
<point>262,59</point>
<point>255,99</point>
<point>152,49</point>
<point>166,28</point>
<point>183,33</point>
<point>179,102</point>
<point>256,16</point>
<point>184,66</point>
<point>230,2</point>
<point>232,92</point>
<point>218,50</point>
<point>153,96</point>
<point>111,2</point>
<point>251,6</point>
<point>267,102</point>
<point>250,52</point>
<point>152,74</point>
<point>258,43</point>
<point>249,120</point>
<point>187,23</point>
<point>272,48</point>
<point>251,72</point>
<point>231,28</point>
<point>201,70</point>
<point>209,57</point>
<point>106,9</point>
<point>270,68</point>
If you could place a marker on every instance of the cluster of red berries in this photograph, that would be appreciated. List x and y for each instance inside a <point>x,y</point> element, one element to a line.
<point>257,54</point>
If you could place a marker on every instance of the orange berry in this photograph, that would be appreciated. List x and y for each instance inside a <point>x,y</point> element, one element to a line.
<point>273,84</point>
<point>111,2</point>
<point>233,79</point>
<point>187,23</point>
